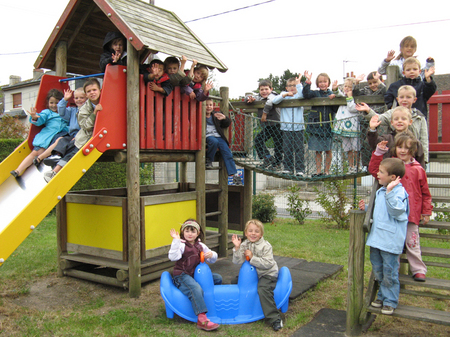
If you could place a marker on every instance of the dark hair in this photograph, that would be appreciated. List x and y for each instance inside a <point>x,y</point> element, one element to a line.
<point>209,99</point>
<point>200,236</point>
<point>371,75</point>
<point>265,83</point>
<point>55,93</point>
<point>171,60</point>
<point>394,166</point>
<point>120,38</point>
<point>91,81</point>
<point>402,139</point>
<point>157,61</point>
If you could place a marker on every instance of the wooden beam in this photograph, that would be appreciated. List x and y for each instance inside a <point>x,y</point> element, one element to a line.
<point>146,157</point>
<point>61,59</point>
<point>133,192</point>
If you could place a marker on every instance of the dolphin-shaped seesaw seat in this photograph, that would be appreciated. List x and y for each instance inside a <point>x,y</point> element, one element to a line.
<point>226,303</point>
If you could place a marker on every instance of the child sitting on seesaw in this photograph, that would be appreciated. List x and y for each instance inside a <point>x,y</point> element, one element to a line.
<point>260,254</point>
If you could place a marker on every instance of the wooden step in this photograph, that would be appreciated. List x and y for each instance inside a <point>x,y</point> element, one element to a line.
<point>430,263</point>
<point>438,186</point>
<point>441,209</point>
<point>438,175</point>
<point>432,283</point>
<point>436,252</point>
<point>424,294</point>
<point>441,199</point>
<point>416,313</point>
<point>436,224</point>
<point>435,236</point>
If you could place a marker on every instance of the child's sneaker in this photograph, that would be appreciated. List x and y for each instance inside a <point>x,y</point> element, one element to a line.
<point>277,325</point>
<point>387,310</point>
<point>207,325</point>
<point>237,180</point>
<point>49,175</point>
<point>377,304</point>
<point>208,164</point>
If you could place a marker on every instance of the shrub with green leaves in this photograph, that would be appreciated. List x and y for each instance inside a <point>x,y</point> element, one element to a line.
<point>334,200</point>
<point>442,216</point>
<point>263,207</point>
<point>12,128</point>
<point>297,207</point>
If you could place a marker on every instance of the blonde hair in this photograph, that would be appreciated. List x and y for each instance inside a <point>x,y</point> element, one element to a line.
<point>402,109</point>
<point>203,71</point>
<point>408,88</point>
<point>255,222</point>
<point>323,75</point>
<point>411,60</point>
<point>408,40</point>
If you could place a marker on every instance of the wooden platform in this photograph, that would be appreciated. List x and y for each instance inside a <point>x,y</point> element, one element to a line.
<point>420,314</point>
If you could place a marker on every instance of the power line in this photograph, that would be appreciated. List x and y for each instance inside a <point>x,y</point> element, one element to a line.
<point>329,33</point>
<point>20,53</point>
<point>233,10</point>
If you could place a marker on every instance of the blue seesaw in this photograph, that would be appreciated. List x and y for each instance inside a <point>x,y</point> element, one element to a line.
<point>226,303</point>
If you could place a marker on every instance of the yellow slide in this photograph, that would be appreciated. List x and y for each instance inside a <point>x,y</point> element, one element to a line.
<point>26,200</point>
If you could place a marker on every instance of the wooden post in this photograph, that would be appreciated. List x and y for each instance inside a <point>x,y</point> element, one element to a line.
<point>61,59</point>
<point>355,292</point>
<point>248,195</point>
<point>133,194</point>
<point>223,183</point>
<point>200,175</point>
<point>392,75</point>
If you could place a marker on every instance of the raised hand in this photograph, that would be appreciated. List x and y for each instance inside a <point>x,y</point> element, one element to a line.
<point>429,72</point>
<point>68,94</point>
<point>334,87</point>
<point>174,234</point>
<point>362,107</point>
<point>390,56</point>
<point>392,184</point>
<point>383,145</point>
<point>116,56</point>
<point>208,86</point>
<point>374,122</point>
<point>360,78</point>
<point>307,75</point>
<point>33,113</point>
<point>236,241</point>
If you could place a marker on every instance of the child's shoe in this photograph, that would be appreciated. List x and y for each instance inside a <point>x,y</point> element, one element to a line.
<point>37,161</point>
<point>49,175</point>
<point>203,323</point>
<point>277,325</point>
<point>237,180</point>
<point>419,277</point>
<point>387,310</point>
<point>14,173</point>
<point>377,304</point>
<point>208,164</point>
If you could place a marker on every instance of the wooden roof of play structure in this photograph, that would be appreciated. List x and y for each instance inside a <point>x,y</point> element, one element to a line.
<point>150,29</point>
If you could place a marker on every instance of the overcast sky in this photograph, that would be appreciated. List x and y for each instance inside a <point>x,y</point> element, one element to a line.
<point>269,38</point>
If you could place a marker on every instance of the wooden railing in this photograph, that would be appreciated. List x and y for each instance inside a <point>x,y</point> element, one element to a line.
<point>439,127</point>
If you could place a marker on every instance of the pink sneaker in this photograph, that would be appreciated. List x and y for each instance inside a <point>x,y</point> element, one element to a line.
<point>205,324</point>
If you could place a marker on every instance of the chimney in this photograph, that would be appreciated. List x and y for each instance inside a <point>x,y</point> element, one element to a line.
<point>37,73</point>
<point>14,79</point>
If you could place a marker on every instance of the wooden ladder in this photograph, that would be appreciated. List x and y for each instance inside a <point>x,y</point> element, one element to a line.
<point>433,257</point>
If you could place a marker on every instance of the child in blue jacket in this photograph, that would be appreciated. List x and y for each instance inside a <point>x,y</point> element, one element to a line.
<point>388,233</point>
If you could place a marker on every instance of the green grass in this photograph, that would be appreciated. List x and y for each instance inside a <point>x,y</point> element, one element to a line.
<point>106,311</point>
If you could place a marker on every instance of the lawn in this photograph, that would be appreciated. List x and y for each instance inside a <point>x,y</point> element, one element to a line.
<point>35,302</point>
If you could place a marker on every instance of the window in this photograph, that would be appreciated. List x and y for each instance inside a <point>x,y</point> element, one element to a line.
<point>17,100</point>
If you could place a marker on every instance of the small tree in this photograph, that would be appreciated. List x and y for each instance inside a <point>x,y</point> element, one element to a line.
<point>297,207</point>
<point>263,207</point>
<point>279,82</point>
<point>12,128</point>
<point>334,200</point>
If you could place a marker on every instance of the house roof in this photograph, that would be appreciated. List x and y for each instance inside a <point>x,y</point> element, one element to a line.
<point>84,24</point>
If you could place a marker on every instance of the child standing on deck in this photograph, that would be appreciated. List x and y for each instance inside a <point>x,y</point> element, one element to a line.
<point>185,250</point>
<point>346,126</point>
<point>53,124</point>
<point>388,232</point>
<point>416,185</point>
<point>260,255</point>
<point>270,127</point>
<point>199,87</point>
<point>215,138</point>
<point>292,127</point>
<point>319,121</point>
<point>114,50</point>
<point>175,70</point>
<point>156,78</point>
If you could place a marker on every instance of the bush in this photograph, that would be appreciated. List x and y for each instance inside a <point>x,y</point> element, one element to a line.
<point>12,128</point>
<point>297,208</point>
<point>442,216</point>
<point>263,207</point>
<point>7,146</point>
<point>334,200</point>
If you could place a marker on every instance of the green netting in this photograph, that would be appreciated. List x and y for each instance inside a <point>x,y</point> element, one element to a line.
<point>300,151</point>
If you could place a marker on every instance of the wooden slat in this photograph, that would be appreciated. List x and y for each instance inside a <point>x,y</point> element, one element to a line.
<point>185,122</point>
<point>168,116</point>
<point>176,119</point>
<point>193,125</point>
<point>159,100</point>
<point>150,125</point>
<point>435,236</point>
<point>436,252</point>
<point>424,294</point>
<point>142,113</point>
<point>420,314</point>
<point>437,224</point>
<point>432,283</point>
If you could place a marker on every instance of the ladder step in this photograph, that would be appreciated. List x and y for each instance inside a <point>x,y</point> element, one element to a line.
<point>430,263</point>
<point>441,209</point>
<point>436,224</point>
<point>416,313</point>
<point>214,190</point>
<point>432,283</point>
<point>435,236</point>
<point>213,213</point>
<point>437,175</point>
<point>436,252</point>
<point>441,199</point>
<point>425,294</point>
<point>438,186</point>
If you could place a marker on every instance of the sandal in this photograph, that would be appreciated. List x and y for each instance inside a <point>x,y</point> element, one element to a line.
<point>14,173</point>
<point>37,161</point>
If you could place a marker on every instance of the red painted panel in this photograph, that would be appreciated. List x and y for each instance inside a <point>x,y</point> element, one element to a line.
<point>200,124</point>
<point>159,117</point>
<point>168,118</point>
<point>185,122</point>
<point>192,124</point>
<point>433,121</point>
<point>150,108</point>
<point>176,119</point>
<point>142,113</point>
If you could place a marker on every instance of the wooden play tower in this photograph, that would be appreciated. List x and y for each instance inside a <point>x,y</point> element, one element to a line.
<point>153,128</point>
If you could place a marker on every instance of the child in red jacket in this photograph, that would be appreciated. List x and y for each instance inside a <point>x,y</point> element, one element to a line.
<point>416,185</point>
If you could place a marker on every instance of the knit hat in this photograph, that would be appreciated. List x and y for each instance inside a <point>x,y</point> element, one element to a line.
<point>191,223</point>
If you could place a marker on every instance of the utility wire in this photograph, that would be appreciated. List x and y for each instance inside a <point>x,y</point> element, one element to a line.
<point>233,10</point>
<point>20,53</point>
<point>328,33</point>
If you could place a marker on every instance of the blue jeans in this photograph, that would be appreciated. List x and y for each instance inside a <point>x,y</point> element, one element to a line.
<point>194,291</point>
<point>385,268</point>
<point>267,132</point>
<point>293,145</point>
<point>217,142</point>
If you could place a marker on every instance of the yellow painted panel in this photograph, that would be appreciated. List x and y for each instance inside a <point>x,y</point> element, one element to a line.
<point>159,219</point>
<point>95,226</point>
